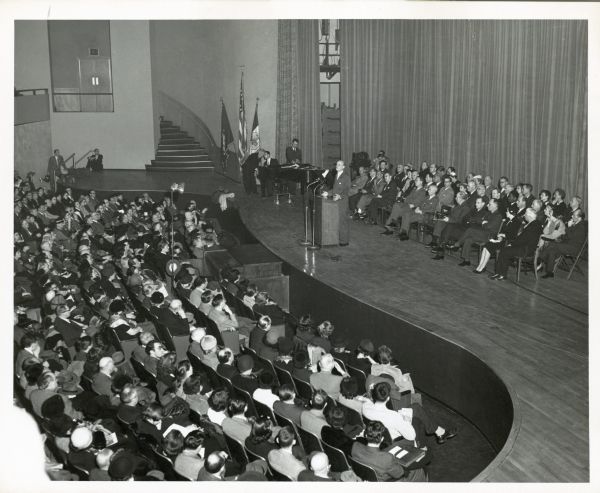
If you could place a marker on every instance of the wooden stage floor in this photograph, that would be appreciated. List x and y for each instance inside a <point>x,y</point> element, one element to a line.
<point>533,335</point>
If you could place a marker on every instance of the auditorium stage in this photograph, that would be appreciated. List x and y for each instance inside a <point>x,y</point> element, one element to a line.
<point>534,335</point>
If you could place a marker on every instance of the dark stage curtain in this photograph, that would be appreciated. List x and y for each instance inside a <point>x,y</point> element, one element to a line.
<point>298,92</point>
<point>497,97</point>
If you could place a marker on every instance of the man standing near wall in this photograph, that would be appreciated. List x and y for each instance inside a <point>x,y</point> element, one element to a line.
<point>55,163</point>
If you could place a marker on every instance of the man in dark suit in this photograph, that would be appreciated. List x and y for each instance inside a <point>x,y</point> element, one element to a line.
<point>386,466</point>
<point>453,231</point>
<point>55,163</point>
<point>339,192</point>
<point>249,170</point>
<point>488,228</point>
<point>385,199</point>
<point>293,154</point>
<point>571,244</point>
<point>94,162</point>
<point>525,243</point>
<point>267,172</point>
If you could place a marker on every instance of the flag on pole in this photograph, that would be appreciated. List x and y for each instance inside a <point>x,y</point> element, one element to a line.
<point>227,145</point>
<point>255,134</point>
<point>242,137</point>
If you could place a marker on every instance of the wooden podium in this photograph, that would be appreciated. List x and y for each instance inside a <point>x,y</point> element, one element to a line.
<point>326,222</point>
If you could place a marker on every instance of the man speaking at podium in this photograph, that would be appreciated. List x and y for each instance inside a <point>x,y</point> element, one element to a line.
<point>339,193</point>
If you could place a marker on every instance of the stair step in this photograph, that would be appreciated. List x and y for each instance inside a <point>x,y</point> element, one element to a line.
<point>206,167</point>
<point>169,130</point>
<point>176,155</point>
<point>195,158</point>
<point>166,123</point>
<point>178,140</point>
<point>180,147</point>
<point>180,152</point>
<point>174,135</point>
<point>195,162</point>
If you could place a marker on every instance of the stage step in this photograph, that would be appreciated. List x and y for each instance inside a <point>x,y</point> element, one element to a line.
<point>182,152</point>
<point>166,123</point>
<point>178,134</point>
<point>170,130</point>
<point>206,167</point>
<point>180,147</point>
<point>183,159</point>
<point>177,140</point>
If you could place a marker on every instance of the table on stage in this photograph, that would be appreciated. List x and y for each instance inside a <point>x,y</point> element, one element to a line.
<point>303,174</point>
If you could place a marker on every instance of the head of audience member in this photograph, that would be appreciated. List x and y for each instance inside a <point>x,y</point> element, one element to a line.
<point>577,217</point>
<point>206,297</point>
<point>218,301</point>
<point>432,190</point>
<point>197,334</point>
<point>527,189</point>
<point>384,355</point>
<point>194,441</point>
<point>81,438</point>
<point>381,392</point>
<point>245,364</point>
<point>326,363</point>
<point>155,349</point>
<point>492,205</point>
<point>262,430</point>
<point>107,366</point>
<point>337,417</point>
<point>471,186</point>
<point>559,195</point>
<point>545,196</point>
<point>575,203</point>
<point>365,348</point>
<point>286,438</point>
<point>387,176</point>
<point>318,400</point>
<point>479,203</point>
<point>325,329</point>
<point>319,463</point>
<point>264,323</point>
<point>349,387</point>
<point>286,393</point>
<point>194,385</point>
<point>306,324</point>
<point>237,407</point>
<point>266,380</point>
<point>374,433</point>
<point>215,464</point>
<point>172,443</point>
<point>225,356</point>
<point>418,182</point>
<point>218,400</point>
<point>530,215</point>
<point>208,344</point>
<point>461,197</point>
<point>157,298</point>
<point>103,458</point>
<point>285,348</point>
<point>372,173</point>
<point>129,396</point>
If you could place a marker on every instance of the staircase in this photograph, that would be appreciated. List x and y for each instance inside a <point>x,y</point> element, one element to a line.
<point>177,151</point>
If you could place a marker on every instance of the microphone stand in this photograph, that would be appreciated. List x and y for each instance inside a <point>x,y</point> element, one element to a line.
<point>306,241</point>
<point>313,245</point>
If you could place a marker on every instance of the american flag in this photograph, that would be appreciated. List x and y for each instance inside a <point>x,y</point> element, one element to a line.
<point>242,137</point>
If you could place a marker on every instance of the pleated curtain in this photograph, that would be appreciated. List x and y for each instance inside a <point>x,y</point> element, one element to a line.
<point>298,91</point>
<point>494,97</point>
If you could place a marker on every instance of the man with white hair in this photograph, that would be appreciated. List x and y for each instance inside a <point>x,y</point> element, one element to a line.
<point>209,351</point>
<point>525,243</point>
<point>175,319</point>
<point>100,473</point>
<point>102,381</point>
<point>325,379</point>
<point>214,467</point>
<point>319,469</point>
<point>195,338</point>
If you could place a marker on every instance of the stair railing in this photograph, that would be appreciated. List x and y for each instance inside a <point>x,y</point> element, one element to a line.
<point>72,159</point>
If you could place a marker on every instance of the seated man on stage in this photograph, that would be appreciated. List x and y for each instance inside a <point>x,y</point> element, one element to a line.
<point>94,162</point>
<point>293,154</point>
<point>384,199</point>
<point>525,243</point>
<point>570,245</point>
<point>339,193</point>
<point>413,200</point>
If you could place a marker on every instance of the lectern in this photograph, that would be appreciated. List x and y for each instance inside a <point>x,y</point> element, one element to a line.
<point>326,221</point>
